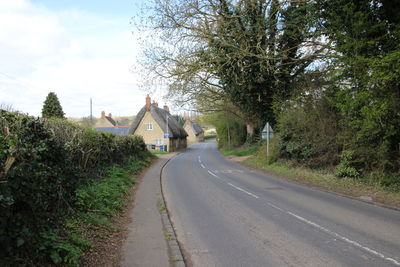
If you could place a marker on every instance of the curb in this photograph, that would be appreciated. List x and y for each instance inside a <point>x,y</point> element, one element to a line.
<point>175,251</point>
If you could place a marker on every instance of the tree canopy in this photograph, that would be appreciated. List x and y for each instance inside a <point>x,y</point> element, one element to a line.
<point>52,107</point>
<point>325,72</point>
<point>246,52</point>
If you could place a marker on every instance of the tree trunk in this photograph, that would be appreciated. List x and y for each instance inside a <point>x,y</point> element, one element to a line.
<point>250,126</point>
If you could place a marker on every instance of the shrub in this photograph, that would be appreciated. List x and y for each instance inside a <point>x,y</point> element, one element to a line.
<point>43,163</point>
<point>262,154</point>
<point>346,168</point>
<point>309,133</point>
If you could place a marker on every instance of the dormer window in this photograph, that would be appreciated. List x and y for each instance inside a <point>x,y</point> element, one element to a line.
<point>149,126</point>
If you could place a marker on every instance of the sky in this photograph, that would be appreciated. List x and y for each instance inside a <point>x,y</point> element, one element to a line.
<point>79,49</point>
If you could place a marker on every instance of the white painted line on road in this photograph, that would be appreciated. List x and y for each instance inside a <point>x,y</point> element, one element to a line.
<point>199,159</point>
<point>354,243</point>
<point>215,176</point>
<point>276,207</point>
<point>244,191</point>
<point>202,166</point>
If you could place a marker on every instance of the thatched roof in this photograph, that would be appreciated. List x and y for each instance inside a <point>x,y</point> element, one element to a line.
<point>160,116</point>
<point>111,120</point>
<point>196,127</point>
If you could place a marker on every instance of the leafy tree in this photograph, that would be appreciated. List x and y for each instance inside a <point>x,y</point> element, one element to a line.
<point>366,38</point>
<point>247,52</point>
<point>52,107</point>
<point>231,130</point>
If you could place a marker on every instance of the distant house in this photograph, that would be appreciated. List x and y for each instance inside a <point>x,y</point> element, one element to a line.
<point>195,132</point>
<point>105,121</point>
<point>109,124</point>
<point>114,129</point>
<point>159,129</point>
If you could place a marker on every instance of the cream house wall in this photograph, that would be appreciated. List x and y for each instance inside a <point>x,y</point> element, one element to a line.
<point>150,136</point>
<point>191,136</point>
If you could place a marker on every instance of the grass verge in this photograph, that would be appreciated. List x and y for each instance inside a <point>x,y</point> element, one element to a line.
<point>239,152</point>
<point>158,152</point>
<point>322,179</point>
<point>95,206</point>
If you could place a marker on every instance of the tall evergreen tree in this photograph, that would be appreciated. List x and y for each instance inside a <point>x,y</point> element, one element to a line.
<point>52,107</point>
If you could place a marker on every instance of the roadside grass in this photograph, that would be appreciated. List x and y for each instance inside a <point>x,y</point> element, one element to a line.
<point>367,187</point>
<point>158,152</point>
<point>95,205</point>
<point>209,137</point>
<point>240,152</point>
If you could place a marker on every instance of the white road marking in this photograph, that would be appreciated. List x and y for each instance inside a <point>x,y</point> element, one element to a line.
<point>336,235</point>
<point>276,207</point>
<point>332,233</point>
<point>202,166</point>
<point>228,171</point>
<point>234,186</point>
<point>215,176</point>
<point>354,243</point>
<point>199,159</point>
<point>244,191</point>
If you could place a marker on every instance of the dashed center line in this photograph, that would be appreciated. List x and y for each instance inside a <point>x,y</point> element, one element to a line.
<point>199,159</point>
<point>215,176</point>
<point>354,243</point>
<point>234,186</point>
<point>313,224</point>
<point>244,191</point>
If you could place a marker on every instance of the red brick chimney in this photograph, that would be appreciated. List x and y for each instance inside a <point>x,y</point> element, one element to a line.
<point>103,114</point>
<point>148,102</point>
<point>110,115</point>
<point>166,108</point>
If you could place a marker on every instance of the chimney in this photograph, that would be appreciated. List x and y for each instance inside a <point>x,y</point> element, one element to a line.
<point>110,115</point>
<point>155,104</point>
<point>103,114</point>
<point>166,108</point>
<point>148,102</point>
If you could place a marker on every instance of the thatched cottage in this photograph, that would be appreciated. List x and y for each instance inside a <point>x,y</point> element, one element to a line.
<point>158,128</point>
<point>195,132</point>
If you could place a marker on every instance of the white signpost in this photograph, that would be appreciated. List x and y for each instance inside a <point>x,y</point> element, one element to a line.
<point>267,133</point>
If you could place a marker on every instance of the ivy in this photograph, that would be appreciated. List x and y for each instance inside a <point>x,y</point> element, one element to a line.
<point>44,162</point>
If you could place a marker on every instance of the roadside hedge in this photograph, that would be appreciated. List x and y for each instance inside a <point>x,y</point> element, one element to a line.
<point>43,162</point>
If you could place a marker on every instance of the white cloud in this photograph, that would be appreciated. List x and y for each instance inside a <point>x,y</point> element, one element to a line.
<point>75,54</point>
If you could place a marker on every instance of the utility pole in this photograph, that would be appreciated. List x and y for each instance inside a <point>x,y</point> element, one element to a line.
<point>91,115</point>
<point>166,132</point>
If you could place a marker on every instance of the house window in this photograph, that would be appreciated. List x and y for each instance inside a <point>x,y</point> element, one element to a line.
<point>149,126</point>
<point>159,142</point>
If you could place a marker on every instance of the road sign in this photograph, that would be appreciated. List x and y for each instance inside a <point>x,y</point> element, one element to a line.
<point>166,135</point>
<point>267,132</point>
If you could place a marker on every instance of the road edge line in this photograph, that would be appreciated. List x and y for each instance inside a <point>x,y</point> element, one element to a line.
<point>312,187</point>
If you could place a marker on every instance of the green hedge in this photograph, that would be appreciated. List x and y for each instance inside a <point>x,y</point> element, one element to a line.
<point>43,162</point>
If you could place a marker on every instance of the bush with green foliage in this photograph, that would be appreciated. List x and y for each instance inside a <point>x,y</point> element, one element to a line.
<point>346,166</point>
<point>366,78</point>
<point>44,162</point>
<point>231,130</point>
<point>52,107</point>
<point>308,132</point>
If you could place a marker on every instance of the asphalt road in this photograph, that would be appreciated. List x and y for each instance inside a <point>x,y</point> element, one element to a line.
<point>229,215</point>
